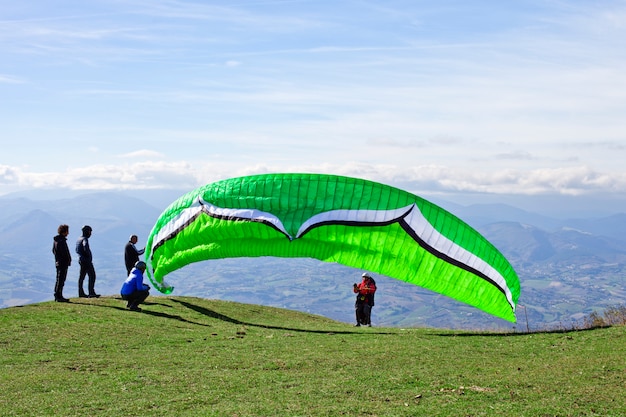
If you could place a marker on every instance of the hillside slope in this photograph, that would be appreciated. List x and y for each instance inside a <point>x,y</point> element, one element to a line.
<point>194,357</point>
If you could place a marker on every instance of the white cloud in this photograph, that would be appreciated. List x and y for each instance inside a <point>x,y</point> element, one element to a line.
<point>9,175</point>
<point>420,179</point>
<point>142,154</point>
<point>8,79</point>
<point>139,175</point>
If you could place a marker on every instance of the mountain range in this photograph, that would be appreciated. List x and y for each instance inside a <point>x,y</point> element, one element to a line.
<point>568,267</point>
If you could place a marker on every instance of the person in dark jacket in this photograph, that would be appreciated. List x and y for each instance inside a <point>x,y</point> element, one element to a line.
<point>131,253</point>
<point>133,289</point>
<point>85,259</point>
<point>62,261</point>
<point>364,300</point>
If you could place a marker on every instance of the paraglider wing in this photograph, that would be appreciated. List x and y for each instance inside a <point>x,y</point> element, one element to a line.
<point>354,222</point>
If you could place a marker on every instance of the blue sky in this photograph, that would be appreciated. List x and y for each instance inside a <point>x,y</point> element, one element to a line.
<point>525,97</point>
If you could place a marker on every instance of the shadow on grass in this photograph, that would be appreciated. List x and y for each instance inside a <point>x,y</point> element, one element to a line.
<point>513,334</point>
<point>218,316</point>
<point>172,316</point>
<point>148,312</point>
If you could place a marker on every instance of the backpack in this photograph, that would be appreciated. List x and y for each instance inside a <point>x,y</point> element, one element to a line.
<point>371,296</point>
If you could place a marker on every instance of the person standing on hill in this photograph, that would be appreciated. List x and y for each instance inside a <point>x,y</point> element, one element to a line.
<point>133,289</point>
<point>62,261</point>
<point>131,254</point>
<point>85,259</point>
<point>364,300</point>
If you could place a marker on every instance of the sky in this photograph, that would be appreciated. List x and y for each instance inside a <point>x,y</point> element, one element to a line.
<point>455,96</point>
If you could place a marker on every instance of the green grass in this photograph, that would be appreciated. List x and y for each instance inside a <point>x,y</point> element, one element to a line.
<point>193,357</point>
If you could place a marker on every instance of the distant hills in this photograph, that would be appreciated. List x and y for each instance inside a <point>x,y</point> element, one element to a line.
<point>568,267</point>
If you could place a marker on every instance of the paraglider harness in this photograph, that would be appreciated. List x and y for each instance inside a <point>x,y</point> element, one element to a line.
<point>367,298</point>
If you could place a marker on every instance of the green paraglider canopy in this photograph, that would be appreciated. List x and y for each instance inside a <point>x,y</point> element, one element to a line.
<point>351,221</point>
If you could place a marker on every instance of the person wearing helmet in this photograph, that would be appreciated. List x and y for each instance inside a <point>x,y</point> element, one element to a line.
<point>134,291</point>
<point>364,300</point>
<point>131,253</point>
<point>85,259</point>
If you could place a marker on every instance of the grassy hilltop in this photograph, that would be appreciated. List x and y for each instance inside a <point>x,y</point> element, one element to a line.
<point>193,357</point>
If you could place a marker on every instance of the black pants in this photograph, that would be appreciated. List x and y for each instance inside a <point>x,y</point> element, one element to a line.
<point>58,287</point>
<point>87,269</point>
<point>363,313</point>
<point>136,297</point>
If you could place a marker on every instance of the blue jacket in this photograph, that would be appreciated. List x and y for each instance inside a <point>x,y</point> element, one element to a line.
<point>133,283</point>
<point>83,250</point>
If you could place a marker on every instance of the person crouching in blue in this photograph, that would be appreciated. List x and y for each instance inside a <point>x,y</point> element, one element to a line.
<point>134,290</point>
